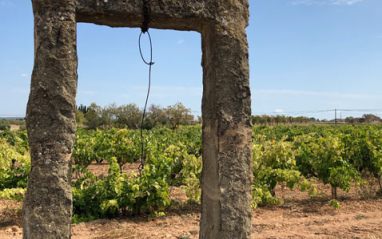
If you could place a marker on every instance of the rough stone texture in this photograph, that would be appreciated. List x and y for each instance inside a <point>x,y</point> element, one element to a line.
<point>165,14</point>
<point>51,121</point>
<point>226,179</point>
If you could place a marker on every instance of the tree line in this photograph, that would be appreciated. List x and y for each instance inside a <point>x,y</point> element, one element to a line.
<point>280,119</point>
<point>288,120</point>
<point>365,119</point>
<point>130,116</point>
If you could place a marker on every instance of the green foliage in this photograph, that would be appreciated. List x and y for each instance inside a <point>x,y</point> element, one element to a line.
<point>178,114</point>
<point>83,151</point>
<point>167,162</point>
<point>16,139</point>
<point>337,155</point>
<point>130,116</point>
<point>14,166</point>
<point>5,124</point>
<point>104,144</point>
<point>5,127</point>
<point>330,166</point>
<point>191,175</point>
<point>363,148</point>
<point>335,204</point>
<point>291,156</point>
<point>13,193</point>
<point>120,193</point>
<point>274,163</point>
<point>80,117</point>
<point>125,146</point>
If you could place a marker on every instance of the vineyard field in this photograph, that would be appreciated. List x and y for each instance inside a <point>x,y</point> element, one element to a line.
<point>309,175</point>
<point>298,217</point>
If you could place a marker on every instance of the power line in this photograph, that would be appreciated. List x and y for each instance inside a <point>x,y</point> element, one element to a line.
<point>311,112</point>
<point>319,111</point>
<point>360,110</point>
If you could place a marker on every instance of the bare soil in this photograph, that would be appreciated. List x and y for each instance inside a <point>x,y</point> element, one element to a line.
<point>299,217</point>
<point>14,127</point>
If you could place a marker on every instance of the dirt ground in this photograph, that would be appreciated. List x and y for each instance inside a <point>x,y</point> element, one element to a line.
<point>299,217</point>
<point>14,127</point>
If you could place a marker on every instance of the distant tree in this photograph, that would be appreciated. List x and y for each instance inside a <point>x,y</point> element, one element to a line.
<point>200,120</point>
<point>289,119</point>
<point>83,108</point>
<point>156,116</point>
<point>278,119</point>
<point>264,119</point>
<point>256,119</point>
<point>177,114</point>
<point>358,120</point>
<point>370,118</point>
<point>80,117</point>
<point>188,119</point>
<point>270,119</point>
<point>5,127</point>
<point>93,116</point>
<point>283,119</point>
<point>129,116</point>
<point>349,120</point>
<point>108,115</point>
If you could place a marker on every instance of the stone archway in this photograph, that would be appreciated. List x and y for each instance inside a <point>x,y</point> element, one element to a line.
<point>226,107</point>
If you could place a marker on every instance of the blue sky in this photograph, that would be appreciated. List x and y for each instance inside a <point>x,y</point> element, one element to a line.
<point>305,56</point>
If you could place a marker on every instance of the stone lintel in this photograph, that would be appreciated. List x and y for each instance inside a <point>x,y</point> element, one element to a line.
<point>189,15</point>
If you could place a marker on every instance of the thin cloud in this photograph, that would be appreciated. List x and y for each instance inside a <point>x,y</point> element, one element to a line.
<point>174,91</point>
<point>325,2</point>
<point>87,92</point>
<point>6,3</point>
<point>24,75</point>
<point>159,93</point>
<point>23,91</point>
<point>346,2</point>
<point>279,110</point>
<point>181,41</point>
<point>163,95</point>
<point>337,95</point>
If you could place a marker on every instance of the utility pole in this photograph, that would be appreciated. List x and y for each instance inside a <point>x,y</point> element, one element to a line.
<point>335,116</point>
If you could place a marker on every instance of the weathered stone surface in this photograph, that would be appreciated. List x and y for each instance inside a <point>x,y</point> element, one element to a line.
<point>165,14</point>
<point>226,179</point>
<point>51,121</point>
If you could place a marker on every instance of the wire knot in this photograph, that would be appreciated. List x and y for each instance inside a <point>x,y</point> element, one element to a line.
<point>146,16</point>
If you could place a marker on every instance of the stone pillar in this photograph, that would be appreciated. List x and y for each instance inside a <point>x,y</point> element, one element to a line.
<point>227,131</point>
<point>51,121</point>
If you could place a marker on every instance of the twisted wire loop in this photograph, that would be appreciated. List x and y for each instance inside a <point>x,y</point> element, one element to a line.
<point>144,30</point>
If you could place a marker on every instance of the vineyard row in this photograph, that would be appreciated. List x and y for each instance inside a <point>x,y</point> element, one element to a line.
<point>295,156</point>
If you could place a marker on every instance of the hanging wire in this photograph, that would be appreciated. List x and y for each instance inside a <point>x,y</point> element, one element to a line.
<point>149,63</point>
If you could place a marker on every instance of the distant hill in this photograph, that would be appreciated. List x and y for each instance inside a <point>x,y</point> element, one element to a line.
<point>11,117</point>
